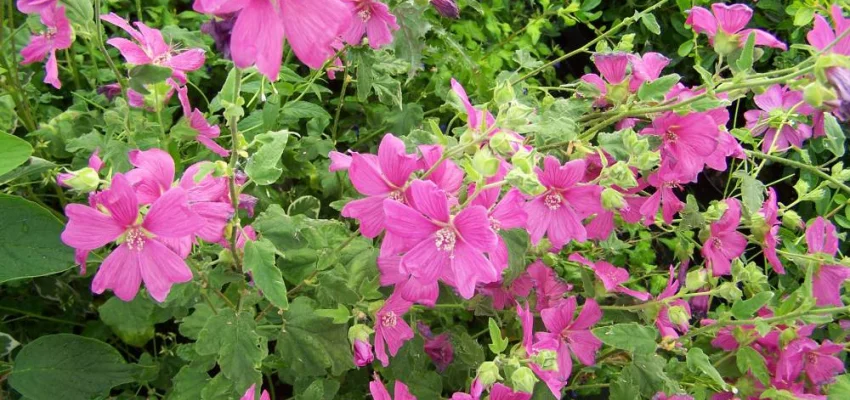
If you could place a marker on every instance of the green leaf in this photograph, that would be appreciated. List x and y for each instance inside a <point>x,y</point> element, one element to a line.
<point>29,241</point>
<point>835,139</point>
<point>685,48</point>
<point>306,205</point>
<point>804,16</point>
<point>14,151</point>
<point>311,344</point>
<point>517,242</point>
<point>752,191</point>
<point>409,40</point>
<point>132,321</point>
<point>7,344</point>
<point>498,344</point>
<point>322,389</point>
<point>239,350</point>
<point>648,20</point>
<point>655,90</point>
<point>303,110</point>
<point>147,74</point>
<point>645,375</point>
<point>748,359</point>
<point>698,362</point>
<point>68,367</point>
<point>264,167</point>
<point>339,315</point>
<point>744,309</point>
<point>630,336</point>
<point>259,260</point>
<point>80,12</point>
<point>840,389</point>
<point>745,61</point>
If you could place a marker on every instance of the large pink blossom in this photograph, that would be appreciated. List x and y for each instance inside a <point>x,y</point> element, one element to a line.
<point>140,255</point>
<point>828,278</point>
<point>149,47</point>
<point>549,289</point>
<point>446,247</point>
<point>559,211</point>
<point>444,173</point>
<point>646,68</point>
<point>822,33</point>
<point>310,27</point>
<point>686,141</point>
<point>379,177</point>
<point>205,133</point>
<point>725,27</point>
<point>379,391</point>
<point>57,36</point>
<point>612,277</point>
<point>774,104</point>
<point>571,334</point>
<point>725,243</point>
<point>817,360</point>
<point>391,330</point>
<point>373,19</point>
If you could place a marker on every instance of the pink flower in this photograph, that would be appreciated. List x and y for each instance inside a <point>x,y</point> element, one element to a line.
<point>822,34</point>
<point>249,394</point>
<point>153,175</point>
<point>818,361</point>
<point>724,243</point>
<point>549,289</point>
<point>57,36</point>
<point>646,68</point>
<point>391,330</point>
<point>502,392</point>
<point>725,27</point>
<point>150,48</point>
<point>612,277</point>
<point>309,26</point>
<point>379,391</point>
<point>363,353</point>
<point>205,132</point>
<point>828,279</point>
<point>380,177</point>
<point>339,161</point>
<point>559,211</point>
<point>140,255</point>
<point>475,391</point>
<point>614,69</point>
<point>667,327</point>
<point>571,335</point>
<point>35,6</point>
<point>482,120</point>
<point>447,175</point>
<point>665,180</point>
<point>775,103</point>
<point>770,212</point>
<point>686,141</point>
<point>444,246</point>
<point>371,18</point>
<point>506,214</point>
<point>438,347</point>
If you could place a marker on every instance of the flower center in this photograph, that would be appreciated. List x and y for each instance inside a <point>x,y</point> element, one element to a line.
<point>446,239</point>
<point>811,358</point>
<point>716,243</point>
<point>162,58</point>
<point>671,136</point>
<point>136,239</point>
<point>389,319</point>
<point>397,196</point>
<point>553,201</point>
<point>495,224</point>
<point>50,33</point>
<point>365,14</point>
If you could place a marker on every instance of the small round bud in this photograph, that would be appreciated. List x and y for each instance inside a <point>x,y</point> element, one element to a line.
<point>612,199</point>
<point>488,373</point>
<point>85,180</point>
<point>547,360</point>
<point>523,380</point>
<point>792,220</point>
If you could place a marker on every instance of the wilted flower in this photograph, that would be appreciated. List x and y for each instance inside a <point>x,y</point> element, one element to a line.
<point>446,8</point>
<point>221,30</point>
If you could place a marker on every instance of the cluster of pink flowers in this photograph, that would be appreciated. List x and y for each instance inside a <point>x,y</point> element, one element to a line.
<point>57,35</point>
<point>154,222</point>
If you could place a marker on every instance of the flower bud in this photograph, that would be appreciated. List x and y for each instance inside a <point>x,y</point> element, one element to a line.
<point>815,94</point>
<point>547,360</point>
<point>85,180</point>
<point>792,220</point>
<point>523,161</point>
<point>679,317</point>
<point>787,335</point>
<point>501,144</point>
<point>612,199</point>
<point>618,93</point>
<point>646,161</point>
<point>488,373</point>
<point>446,8</point>
<point>526,183</point>
<point>619,174</point>
<point>484,163</point>
<point>504,93</point>
<point>729,291</point>
<point>363,353</point>
<point>696,279</point>
<point>359,332</point>
<point>523,380</point>
<point>725,44</point>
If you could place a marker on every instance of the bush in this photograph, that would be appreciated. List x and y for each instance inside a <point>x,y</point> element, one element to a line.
<point>321,199</point>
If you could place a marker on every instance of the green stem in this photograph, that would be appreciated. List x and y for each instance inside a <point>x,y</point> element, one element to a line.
<point>41,317</point>
<point>72,64</point>
<point>22,105</point>
<point>101,45</point>
<point>799,165</point>
<point>236,139</point>
<point>345,81</point>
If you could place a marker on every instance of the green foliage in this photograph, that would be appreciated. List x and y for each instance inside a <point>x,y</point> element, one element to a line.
<point>29,241</point>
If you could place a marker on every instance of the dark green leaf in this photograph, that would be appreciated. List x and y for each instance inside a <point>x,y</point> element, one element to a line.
<point>68,367</point>
<point>698,362</point>
<point>14,151</point>
<point>748,359</point>
<point>745,61</point>
<point>264,167</point>
<point>131,321</point>
<point>147,74</point>
<point>631,336</point>
<point>311,344</point>
<point>233,339</point>
<point>743,309</point>
<point>260,261</point>
<point>657,89</point>
<point>29,241</point>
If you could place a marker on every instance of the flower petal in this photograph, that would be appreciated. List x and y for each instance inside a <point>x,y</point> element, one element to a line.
<point>119,272</point>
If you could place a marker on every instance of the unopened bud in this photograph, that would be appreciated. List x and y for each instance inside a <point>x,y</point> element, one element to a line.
<point>787,335</point>
<point>488,373</point>
<point>816,93</point>
<point>359,332</point>
<point>619,174</point>
<point>679,316</point>
<point>792,220</point>
<point>612,199</point>
<point>504,93</point>
<point>547,360</point>
<point>522,160</point>
<point>485,163</point>
<point>446,8</point>
<point>500,143</point>
<point>696,279</point>
<point>523,380</point>
<point>85,180</point>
